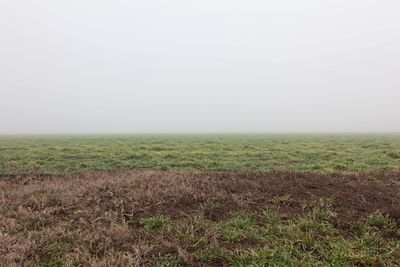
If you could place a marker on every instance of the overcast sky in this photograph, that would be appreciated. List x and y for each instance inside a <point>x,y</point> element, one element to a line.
<point>199,66</point>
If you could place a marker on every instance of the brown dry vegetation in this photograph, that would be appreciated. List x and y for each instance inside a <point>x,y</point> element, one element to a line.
<point>149,218</point>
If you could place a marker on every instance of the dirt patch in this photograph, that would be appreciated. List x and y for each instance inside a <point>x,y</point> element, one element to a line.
<point>139,194</point>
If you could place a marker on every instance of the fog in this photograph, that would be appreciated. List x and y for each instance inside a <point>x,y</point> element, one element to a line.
<point>199,66</point>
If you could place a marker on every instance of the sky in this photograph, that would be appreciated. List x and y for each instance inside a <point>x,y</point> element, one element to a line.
<point>184,66</point>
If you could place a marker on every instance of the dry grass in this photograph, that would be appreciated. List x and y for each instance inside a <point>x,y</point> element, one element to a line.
<point>161,218</point>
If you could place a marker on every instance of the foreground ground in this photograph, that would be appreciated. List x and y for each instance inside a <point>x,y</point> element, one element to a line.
<point>172,219</point>
<point>256,153</point>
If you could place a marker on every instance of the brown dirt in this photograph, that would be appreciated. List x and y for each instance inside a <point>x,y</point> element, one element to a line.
<point>53,206</point>
<point>139,194</point>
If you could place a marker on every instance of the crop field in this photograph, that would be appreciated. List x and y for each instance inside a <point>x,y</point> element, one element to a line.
<point>200,200</point>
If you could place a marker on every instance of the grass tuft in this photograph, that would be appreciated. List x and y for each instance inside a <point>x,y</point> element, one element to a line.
<point>154,223</point>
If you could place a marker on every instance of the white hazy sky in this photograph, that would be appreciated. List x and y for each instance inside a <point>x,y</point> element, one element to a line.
<point>199,66</point>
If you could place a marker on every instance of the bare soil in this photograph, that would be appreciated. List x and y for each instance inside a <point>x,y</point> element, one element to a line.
<point>139,194</point>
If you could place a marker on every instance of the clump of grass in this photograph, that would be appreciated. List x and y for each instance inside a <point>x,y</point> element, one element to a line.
<point>169,261</point>
<point>54,263</point>
<point>394,155</point>
<point>192,232</point>
<point>33,166</point>
<point>58,246</point>
<point>282,200</point>
<point>235,228</point>
<point>154,223</point>
<point>271,216</point>
<point>238,221</point>
<point>209,255</point>
<point>321,210</point>
<point>379,220</point>
<point>359,227</point>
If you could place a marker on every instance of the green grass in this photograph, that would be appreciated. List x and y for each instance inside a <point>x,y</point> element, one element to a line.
<point>154,223</point>
<point>269,239</point>
<point>327,153</point>
<point>297,240</point>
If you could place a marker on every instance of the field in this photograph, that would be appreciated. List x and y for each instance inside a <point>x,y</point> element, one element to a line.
<point>205,200</point>
<point>256,153</point>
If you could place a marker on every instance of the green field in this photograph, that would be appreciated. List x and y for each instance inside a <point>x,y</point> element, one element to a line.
<point>261,153</point>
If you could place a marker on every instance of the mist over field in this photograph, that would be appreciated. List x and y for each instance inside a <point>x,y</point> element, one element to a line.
<point>199,133</point>
<point>204,66</point>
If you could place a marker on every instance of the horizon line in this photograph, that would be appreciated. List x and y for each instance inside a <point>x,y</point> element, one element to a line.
<point>204,133</point>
